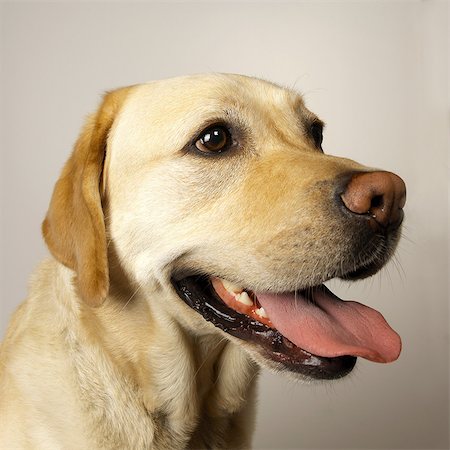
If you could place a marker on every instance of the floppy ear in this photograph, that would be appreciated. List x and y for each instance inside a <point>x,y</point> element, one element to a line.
<point>74,228</point>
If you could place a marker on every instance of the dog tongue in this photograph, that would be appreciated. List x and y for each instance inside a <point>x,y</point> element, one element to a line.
<point>332,327</point>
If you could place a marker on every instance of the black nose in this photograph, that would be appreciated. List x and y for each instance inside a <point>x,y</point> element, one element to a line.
<point>380,195</point>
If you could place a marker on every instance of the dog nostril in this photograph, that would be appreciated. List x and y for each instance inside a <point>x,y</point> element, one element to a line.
<point>377,202</point>
<point>381,195</point>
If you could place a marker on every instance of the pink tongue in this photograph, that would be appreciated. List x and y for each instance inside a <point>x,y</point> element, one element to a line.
<point>332,327</point>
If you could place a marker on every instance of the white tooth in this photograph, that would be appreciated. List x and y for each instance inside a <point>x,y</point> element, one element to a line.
<point>244,298</point>
<point>261,313</point>
<point>230,287</point>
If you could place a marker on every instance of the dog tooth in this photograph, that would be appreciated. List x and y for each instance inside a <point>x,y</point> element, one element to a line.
<point>261,313</point>
<point>230,287</point>
<point>244,298</point>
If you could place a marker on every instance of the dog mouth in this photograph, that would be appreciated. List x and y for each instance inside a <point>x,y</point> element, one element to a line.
<point>311,331</point>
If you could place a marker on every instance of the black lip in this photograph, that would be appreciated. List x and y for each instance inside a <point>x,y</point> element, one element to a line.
<point>362,272</point>
<point>199,294</point>
<point>368,269</point>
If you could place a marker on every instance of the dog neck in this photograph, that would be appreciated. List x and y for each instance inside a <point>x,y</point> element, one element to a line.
<point>183,389</point>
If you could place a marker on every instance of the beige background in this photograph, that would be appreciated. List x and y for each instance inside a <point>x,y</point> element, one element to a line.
<point>376,72</point>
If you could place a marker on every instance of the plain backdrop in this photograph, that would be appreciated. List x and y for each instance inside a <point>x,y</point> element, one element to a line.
<point>376,72</point>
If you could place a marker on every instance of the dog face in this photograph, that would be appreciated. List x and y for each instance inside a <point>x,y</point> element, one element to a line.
<point>216,191</point>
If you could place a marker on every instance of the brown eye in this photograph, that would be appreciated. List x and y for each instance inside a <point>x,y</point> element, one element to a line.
<point>215,139</point>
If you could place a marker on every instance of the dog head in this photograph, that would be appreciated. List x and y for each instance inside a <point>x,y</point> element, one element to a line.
<point>216,189</point>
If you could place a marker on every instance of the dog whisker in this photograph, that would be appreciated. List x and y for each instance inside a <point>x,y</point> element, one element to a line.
<point>207,357</point>
<point>132,296</point>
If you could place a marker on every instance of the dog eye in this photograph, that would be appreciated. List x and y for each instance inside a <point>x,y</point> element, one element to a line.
<point>316,131</point>
<point>215,139</point>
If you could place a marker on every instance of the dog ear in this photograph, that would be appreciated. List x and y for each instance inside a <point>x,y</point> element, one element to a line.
<point>74,228</point>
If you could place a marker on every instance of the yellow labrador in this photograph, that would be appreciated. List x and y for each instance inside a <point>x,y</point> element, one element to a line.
<point>191,231</point>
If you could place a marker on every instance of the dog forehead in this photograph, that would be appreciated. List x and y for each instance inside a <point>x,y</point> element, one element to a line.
<point>221,88</point>
<point>162,115</point>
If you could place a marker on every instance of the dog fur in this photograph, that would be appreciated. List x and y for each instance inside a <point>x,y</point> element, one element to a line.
<point>103,354</point>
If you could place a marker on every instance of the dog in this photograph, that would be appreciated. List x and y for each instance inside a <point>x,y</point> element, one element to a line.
<point>190,233</point>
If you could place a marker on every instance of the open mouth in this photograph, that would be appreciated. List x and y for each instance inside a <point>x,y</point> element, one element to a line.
<point>310,331</point>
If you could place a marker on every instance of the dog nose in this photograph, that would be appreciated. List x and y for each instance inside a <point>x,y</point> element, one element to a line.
<point>381,195</point>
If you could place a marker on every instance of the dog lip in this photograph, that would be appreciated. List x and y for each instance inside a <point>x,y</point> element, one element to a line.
<point>371,264</point>
<point>198,293</point>
<point>362,271</point>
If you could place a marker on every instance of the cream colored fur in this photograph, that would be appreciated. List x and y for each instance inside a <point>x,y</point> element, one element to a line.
<point>103,357</point>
